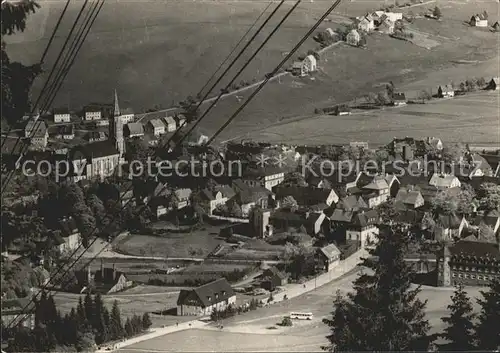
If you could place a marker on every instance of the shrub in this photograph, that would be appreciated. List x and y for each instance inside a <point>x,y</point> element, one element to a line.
<point>287,322</point>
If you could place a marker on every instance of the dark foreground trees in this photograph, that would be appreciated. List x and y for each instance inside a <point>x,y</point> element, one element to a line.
<point>84,327</point>
<point>383,313</point>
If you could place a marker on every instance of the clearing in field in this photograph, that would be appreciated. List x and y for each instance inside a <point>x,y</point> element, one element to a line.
<point>468,119</point>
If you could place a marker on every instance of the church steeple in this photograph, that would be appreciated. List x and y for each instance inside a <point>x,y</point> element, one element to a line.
<point>116,111</point>
<point>116,131</point>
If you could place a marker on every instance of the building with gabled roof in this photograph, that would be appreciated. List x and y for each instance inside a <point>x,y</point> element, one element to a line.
<point>170,123</point>
<point>156,127</point>
<point>210,297</point>
<point>329,257</point>
<point>479,20</point>
<point>307,196</point>
<point>446,91</point>
<point>134,130</point>
<point>444,181</point>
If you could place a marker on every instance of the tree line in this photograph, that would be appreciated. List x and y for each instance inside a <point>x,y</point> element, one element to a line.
<point>384,313</point>
<point>84,327</point>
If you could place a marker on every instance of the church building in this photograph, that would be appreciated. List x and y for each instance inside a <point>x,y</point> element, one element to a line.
<point>100,159</point>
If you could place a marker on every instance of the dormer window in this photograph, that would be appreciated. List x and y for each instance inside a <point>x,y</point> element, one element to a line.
<point>223,292</point>
<point>209,298</point>
<point>216,295</point>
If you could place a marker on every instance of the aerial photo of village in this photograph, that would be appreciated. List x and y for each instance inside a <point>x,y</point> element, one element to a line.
<point>250,175</point>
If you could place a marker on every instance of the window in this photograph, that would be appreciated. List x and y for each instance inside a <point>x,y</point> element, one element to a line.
<point>453,275</point>
<point>209,298</point>
<point>466,275</point>
<point>472,276</point>
<point>223,292</point>
<point>459,275</point>
<point>216,295</point>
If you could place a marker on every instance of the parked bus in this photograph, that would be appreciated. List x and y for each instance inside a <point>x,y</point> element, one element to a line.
<point>301,316</point>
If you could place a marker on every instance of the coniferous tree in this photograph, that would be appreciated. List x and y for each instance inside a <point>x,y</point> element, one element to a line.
<point>81,318</point>
<point>488,334</point>
<point>129,332</point>
<point>99,321</point>
<point>383,312</point>
<point>460,330</point>
<point>88,305</point>
<point>116,327</point>
<point>146,321</point>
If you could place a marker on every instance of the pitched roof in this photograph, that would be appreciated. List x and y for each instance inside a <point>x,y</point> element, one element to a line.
<point>304,195</point>
<point>251,195</point>
<point>447,88</point>
<point>226,190</point>
<point>478,249</point>
<point>60,111</point>
<point>273,271</point>
<point>330,251</point>
<point>96,149</point>
<point>340,215</point>
<point>451,221</point>
<point>135,128</point>
<point>364,219</point>
<point>408,197</point>
<point>68,129</point>
<point>378,183</point>
<point>169,120</point>
<point>440,180</point>
<point>156,123</point>
<point>208,294</point>
<point>182,193</point>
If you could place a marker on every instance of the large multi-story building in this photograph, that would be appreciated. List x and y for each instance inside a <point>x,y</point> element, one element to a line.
<point>216,295</point>
<point>468,263</point>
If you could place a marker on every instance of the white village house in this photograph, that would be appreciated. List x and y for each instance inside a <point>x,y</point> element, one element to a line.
<point>306,66</point>
<point>353,38</point>
<point>61,115</point>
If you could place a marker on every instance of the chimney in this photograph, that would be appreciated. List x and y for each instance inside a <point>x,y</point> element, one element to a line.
<point>102,269</point>
<point>114,272</point>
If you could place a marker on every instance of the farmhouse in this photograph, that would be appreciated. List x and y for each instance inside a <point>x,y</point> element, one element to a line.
<point>449,227</point>
<point>170,123</point>
<point>408,198</point>
<point>386,26</point>
<point>71,237</point>
<point>331,34</point>
<point>101,122</point>
<point>360,226</point>
<point>181,120</point>
<point>127,115</point>
<point>272,278</point>
<point>92,112</point>
<point>444,181</point>
<point>469,263</point>
<point>134,130</point>
<point>399,99</point>
<point>216,295</point>
<point>155,127</point>
<point>342,110</point>
<point>366,24</point>
<point>65,132</point>
<point>353,38</point>
<point>494,84</point>
<point>38,133</point>
<point>329,257</point>
<point>446,91</point>
<point>61,115</point>
<point>478,20</point>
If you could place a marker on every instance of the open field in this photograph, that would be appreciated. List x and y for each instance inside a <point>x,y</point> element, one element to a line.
<point>250,332</point>
<point>197,244</point>
<point>133,48</point>
<point>473,118</point>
